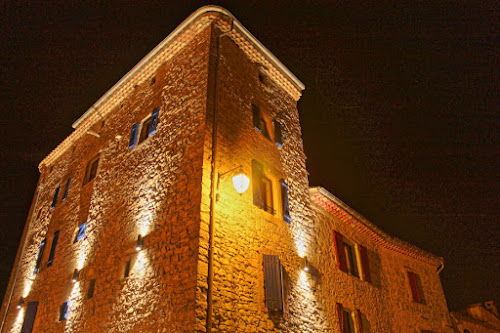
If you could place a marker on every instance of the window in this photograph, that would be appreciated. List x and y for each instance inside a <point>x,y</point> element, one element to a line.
<point>54,200</point>
<point>40,255</point>
<point>284,202</point>
<point>262,188</point>
<point>275,283</point>
<point>90,291</point>
<point>81,232</point>
<point>66,189</point>
<point>349,321</point>
<point>259,123</point>
<point>416,291</point>
<point>126,271</point>
<point>29,317</point>
<point>351,257</point>
<point>278,136</point>
<point>147,128</point>
<point>91,170</point>
<point>53,248</point>
<point>63,311</point>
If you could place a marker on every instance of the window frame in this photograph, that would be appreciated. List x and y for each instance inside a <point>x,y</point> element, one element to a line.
<point>415,285</point>
<point>90,171</point>
<point>354,262</point>
<point>64,311</point>
<point>262,188</point>
<point>80,232</point>
<point>143,129</point>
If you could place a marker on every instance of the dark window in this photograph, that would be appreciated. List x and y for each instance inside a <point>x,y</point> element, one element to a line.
<point>259,123</point>
<point>66,189</point>
<point>126,271</point>
<point>349,321</point>
<point>284,202</point>
<point>40,255</point>
<point>133,135</point>
<point>149,125</point>
<point>54,200</point>
<point>63,311</point>
<point>262,188</point>
<point>81,232</point>
<point>274,283</point>
<point>415,287</point>
<point>53,249</point>
<point>262,77</point>
<point>29,317</point>
<point>90,292</point>
<point>278,136</point>
<point>91,170</point>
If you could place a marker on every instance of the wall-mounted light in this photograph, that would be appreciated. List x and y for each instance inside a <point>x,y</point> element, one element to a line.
<point>305,264</point>
<point>21,303</point>
<point>76,276</point>
<point>241,182</point>
<point>140,243</point>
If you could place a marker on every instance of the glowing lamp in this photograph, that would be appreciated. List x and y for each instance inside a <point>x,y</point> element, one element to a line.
<point>76,275</point>
<point>20,304</point>
<point>305,264</point>
<point>140,243</point>
<point>240,183</point>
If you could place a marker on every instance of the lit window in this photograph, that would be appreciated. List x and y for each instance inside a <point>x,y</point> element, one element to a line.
<point>91,170</point>
<point>259,122</point>
<point>147,128</point>
<point>275,283</point>
<point>262,188</point>
<point>63,311</point>
<point>351,258</point>
<point>81,232</point>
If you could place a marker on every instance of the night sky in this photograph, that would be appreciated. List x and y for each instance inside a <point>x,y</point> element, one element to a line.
<point>399,116</point>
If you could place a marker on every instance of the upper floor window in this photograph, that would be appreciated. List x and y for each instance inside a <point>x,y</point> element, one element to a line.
<point>66,189</point>
<point>269,129</point>
<point>351,258</point>
<point>262,188</point>
<point>285,209</point>
<point>63,311</point>
<point>54,199</point>
<point>350,321</point>
<point>40,255</point>
<point>259,122</point>
<point>91,170</point>
<point>142,130</point>
<point>416,290</point>
<point>53,247</point>
<point>81,232</point>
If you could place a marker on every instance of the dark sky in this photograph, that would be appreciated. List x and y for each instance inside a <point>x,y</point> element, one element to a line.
<point>399,116</point>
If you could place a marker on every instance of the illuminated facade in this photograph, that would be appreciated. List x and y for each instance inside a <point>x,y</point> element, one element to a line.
<point>136,225</point>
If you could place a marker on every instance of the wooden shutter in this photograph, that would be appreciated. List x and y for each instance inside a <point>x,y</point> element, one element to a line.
<point>40,254</point>
<point>53,248</point>
<point>415,292</point>
<point>29,317</point>
<point>133,135</point>
<point>359,322</point>
<point>257,124</point>
<point>66,189</point>
<point>257,174</point>
<point>340,315</point>
<point>365,266</point>
<point>339,251</point>
<point>272,283</point>
<point>284,202</point>
<point>90,292</point>
<point>278,139</point>
<point>154,121</point>
<point>54,200</point>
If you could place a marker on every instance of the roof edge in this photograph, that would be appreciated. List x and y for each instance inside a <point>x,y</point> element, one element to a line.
<point>191,18</point>
<point>377,234</point>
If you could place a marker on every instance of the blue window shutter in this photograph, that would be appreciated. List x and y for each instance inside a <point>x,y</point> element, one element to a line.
<point>53,249</point>
<point>66,189</point>
<point>284,202</point>
<point>54,200</point>
<point>257,124</point>
<point>154,121</point>
<point>40,255</point>
<point>81,232</point>
<point>63,314</point>
<point>133,135</point>
<point>278,136</point>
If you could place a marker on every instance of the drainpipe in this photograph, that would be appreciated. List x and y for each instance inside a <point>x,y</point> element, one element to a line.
<point>214,183</point>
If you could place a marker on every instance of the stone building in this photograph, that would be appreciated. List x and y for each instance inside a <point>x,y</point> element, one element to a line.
<point>476,318</point>
<point>135,225</point>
